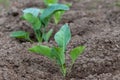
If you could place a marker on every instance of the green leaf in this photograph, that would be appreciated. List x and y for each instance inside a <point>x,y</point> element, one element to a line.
<point>43,50</point>
<point>20,34</point>
<point>34,11</point>
<point>48,34</point>
<point>50,2</point>
<point>58,16</point>
<point>74,53</point>
<point>38,35</point>
<point>53,8</point>
<point>46,21</point>
<point>59,55</point>
<point>35,22</point>
<point>63,36</point>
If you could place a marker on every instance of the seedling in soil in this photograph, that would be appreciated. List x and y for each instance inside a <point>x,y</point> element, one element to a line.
<point>39,19</point>
<point>62,38</point>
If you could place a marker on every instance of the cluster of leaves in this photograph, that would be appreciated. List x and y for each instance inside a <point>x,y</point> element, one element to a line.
<point>57,53</point>
<point>39,19</point>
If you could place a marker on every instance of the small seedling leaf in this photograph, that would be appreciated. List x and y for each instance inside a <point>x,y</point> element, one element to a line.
<point>20,34</point>
<point>63,36</point>
<point>35,22</point>
<point>74,53</point>
<point>53,8</point>
<point>43,50</point>
<point>34,11</point>
<point>48,34</point>
<point>57,16</point>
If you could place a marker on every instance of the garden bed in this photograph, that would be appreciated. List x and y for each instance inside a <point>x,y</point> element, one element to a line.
<point>93,23</point>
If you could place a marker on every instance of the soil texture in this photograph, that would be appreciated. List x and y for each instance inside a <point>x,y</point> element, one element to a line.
<point>93,23</point>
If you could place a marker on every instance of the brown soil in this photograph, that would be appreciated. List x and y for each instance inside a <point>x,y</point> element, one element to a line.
<point>94,24</point>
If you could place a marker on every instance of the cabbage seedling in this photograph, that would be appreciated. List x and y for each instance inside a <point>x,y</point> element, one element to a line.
<point>39,19</point>
<point>62,38</point>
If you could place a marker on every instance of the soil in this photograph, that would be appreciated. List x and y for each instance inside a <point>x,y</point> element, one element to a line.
<point>94,24</point>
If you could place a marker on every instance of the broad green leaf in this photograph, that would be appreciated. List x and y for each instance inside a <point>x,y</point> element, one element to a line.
<point>35,22</point>
<point>50,2</point>
<point>20,34</point>
<point>59,55</point>
<point>63,36</point>
<point>46,21</point>
<point>58,16</point>
<point>74,53</point>
<point>34,11</point>
<point>43,50</point>
<point>53,8</point>
<point>48,34</point>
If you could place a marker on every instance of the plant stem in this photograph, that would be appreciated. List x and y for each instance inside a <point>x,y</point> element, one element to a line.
<point>63,70</point>
<point>38,35</point>
<point>63,65</point>
<point>69,70</point>
<point>30,40</point>
<point>43,33</point>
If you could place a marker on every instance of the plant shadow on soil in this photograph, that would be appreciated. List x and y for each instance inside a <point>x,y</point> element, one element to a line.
<point>94,24</point>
